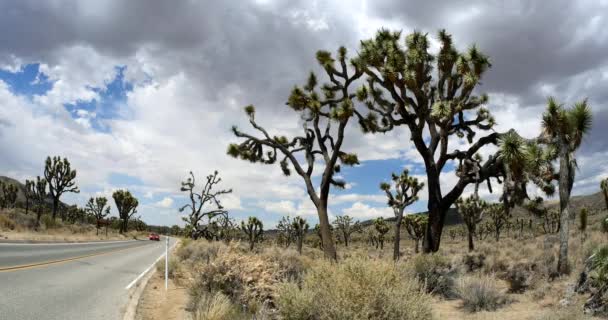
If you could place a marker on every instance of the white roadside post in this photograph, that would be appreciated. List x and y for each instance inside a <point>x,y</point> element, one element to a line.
<point>167,262</point>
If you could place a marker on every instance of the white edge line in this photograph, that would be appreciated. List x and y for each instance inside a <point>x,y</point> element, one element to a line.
<point>148,269</point>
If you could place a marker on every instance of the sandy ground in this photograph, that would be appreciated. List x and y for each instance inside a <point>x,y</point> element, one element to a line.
<point>158,304</point>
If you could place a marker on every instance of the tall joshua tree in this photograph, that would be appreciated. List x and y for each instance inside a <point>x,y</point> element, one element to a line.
<point>471,210</point>
<point>97,208</point>
<point>126,204</point>
<point>39,197</point>
<point>61,179</point>
<point>325,115</point>
<point>406,193</point>
<point>564,130</point>
<point>200,201</point>
<point>433,97</point>
<point>346,226</point>
<point>604,186</point>
<point>415,224</point>
<point>254,230</point>
<point>300,228</point>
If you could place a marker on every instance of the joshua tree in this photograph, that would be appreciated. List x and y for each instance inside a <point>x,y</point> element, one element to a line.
<point>415,224</point>
<point>604,225</point>
<point>8,195</point>
<point>39,198</point>
<point>300,228</point>
<point>286,231</point>
<point>97,208</point>
<point>30,192</point>
<point>604,186</point>
<point>471,210</point>
<point>381,228</point>
<point>407,189</point>
<point>61,179</point>
<point>437,111</point>
<point>207,196</point>
<point>254,230</point>
<point>126,204</point>
<point>345,225</point>
<point>498,218</point>
<point>563,130</point>
<point>325,116</point>
<point>582,219</point>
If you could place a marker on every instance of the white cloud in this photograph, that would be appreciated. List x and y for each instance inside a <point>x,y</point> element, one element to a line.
<point>166,202</point>
<point>363,211</point>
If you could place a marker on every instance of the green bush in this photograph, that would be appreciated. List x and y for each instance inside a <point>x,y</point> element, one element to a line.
<point>357,289</point>
<point>48,222</point>
<point>173,267</point>
<point>434,274</point>
<point>480,293</point>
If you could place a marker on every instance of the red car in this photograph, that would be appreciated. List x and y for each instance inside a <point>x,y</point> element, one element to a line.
<point>154,236</point>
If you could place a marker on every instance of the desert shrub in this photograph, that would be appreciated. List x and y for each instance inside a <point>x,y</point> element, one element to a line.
<point>215,306</point>
<point>173,267</point>
<point>247,279</point>
<point>520,276</point>
<point>434,274</point>
<point>199,250</point>
<point>473,261</point>
<point>480,293</point>
<point>353,289</point>
<point>291,264</point>
<point>48,222</point>
<point>22,220</point>
<point>7,223</point>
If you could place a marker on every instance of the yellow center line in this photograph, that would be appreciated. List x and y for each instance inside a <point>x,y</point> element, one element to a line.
<point>45,263</point>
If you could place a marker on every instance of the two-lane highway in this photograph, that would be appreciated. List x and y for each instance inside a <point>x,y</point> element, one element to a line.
<point>71,281</point>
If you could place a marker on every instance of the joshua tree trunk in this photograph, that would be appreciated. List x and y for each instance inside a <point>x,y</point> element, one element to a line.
<point>416,245</point>
<point>396,252</point>
<point>55,207</point>
<point>27,205</point>
<point>565,178</point>
<point>299,241</point>
<point>328,244</point>
<point>470,237</point>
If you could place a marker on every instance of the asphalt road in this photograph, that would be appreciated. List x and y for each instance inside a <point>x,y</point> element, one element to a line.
<point>91,284</point>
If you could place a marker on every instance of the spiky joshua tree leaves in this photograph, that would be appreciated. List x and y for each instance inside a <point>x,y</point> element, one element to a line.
<point>433,97</point>
<point>406,190</point>
<point>346,226</point>
<point>97,208</point>
<point>564,129</point>
<point>254,230</point>
<point>300,228</point>
<point>471,210</point>
<point>61,179</point>
<point>198,206</point>
<point>415,225</point>
<point>126,204</point>
<point>30,193</point>
<point>325,113</point>
<point>8,195</point>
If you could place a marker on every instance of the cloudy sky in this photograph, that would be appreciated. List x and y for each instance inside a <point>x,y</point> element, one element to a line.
<point>138,93</point>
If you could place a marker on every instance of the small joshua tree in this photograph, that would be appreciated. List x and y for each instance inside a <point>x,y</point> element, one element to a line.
<point>415,224</point>
<point>406,193</point>
<point>126,204</point>
<point>471,210</point>
<point>300,228</point>
<point>582,223</point>
<point>97,208</point>
<point>254,230</point>
<point>61,179</point>
<point>198,201</point>
<point>30,193</point>
<point>382,229</point>
<point>8,195</point>
<point>604,186</point>
<point>346,227</point>
<point>498,219</point>
<point>286,231</point>
<point>39,198</point>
